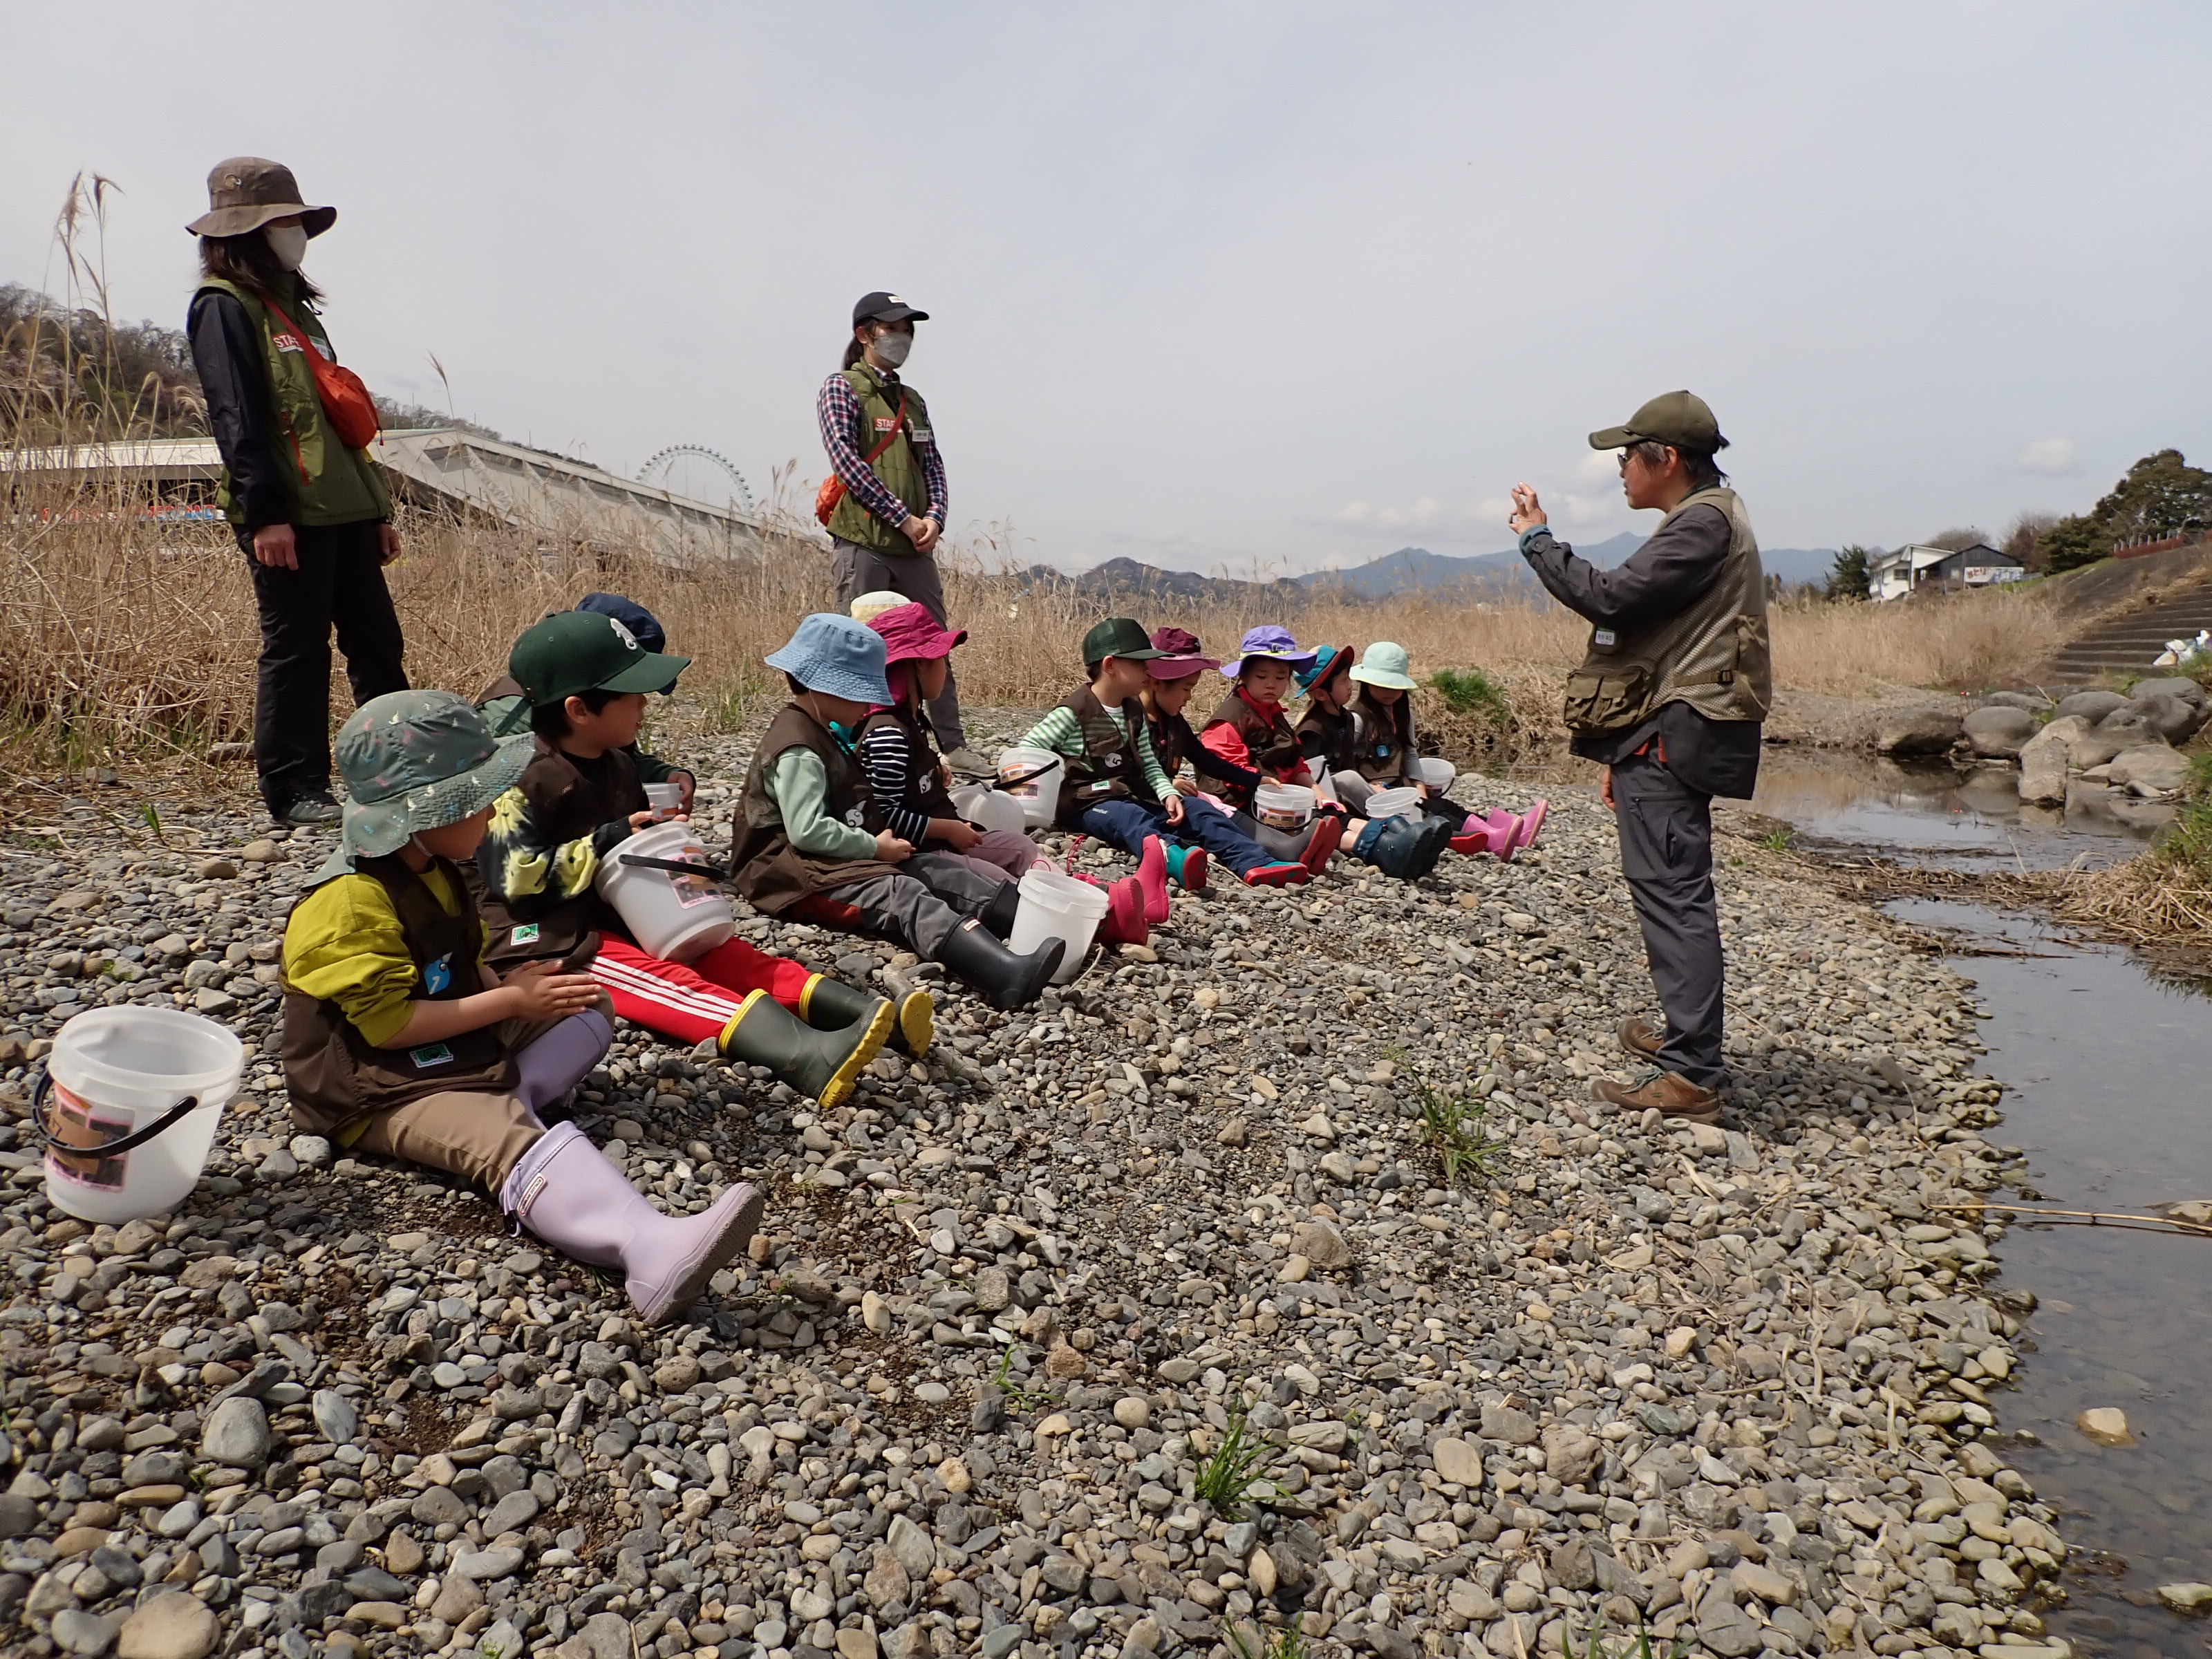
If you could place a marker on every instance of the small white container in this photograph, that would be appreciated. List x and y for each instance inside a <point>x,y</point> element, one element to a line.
<point>666,800</point>
<point>1436,774</point>
<point>673,916</point>
<point>990,809</point>
<point>114,1072</point>
<point>1039,795</point>
<point>1054,906</point>
<point>1287,806</point>
<point>1393,803</point>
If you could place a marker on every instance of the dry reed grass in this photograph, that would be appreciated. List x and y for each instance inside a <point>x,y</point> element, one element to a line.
<point>122,637</point>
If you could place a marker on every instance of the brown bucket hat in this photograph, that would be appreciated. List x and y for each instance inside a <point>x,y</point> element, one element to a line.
<point>246,191</point>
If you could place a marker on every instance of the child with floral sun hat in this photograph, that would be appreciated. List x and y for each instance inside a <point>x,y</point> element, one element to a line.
<point>398,1040</point>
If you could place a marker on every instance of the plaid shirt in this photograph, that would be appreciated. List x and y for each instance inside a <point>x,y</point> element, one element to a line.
<point>838,411</point>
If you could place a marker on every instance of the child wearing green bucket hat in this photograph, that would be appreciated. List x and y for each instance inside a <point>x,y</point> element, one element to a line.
<point>1358,728</point>
<point>586,676</point>
<point>811,842</point>
<point>398,1040</point>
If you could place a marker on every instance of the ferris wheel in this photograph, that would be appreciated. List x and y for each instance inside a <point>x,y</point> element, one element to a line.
<point>667,462</point>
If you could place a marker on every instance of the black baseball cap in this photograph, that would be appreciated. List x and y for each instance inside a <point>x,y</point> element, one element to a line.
<point>882,307</point>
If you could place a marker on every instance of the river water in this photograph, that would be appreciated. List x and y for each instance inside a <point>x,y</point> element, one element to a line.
<point>2108,1087</point>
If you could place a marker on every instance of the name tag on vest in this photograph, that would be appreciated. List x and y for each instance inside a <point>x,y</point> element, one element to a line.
<point>434,1054</point>
<point>526,934</point>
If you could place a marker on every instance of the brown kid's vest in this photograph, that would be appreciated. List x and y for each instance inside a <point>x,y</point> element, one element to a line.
<point>1713,656</point>
<point>1327,736</point>
<point>766,868</point>
<point>1383,739</point>
<point>922,790</point>
<point>1109,768</point>
<point>336,1077</point>
<point>1271,746</point>
<point>569,807</point>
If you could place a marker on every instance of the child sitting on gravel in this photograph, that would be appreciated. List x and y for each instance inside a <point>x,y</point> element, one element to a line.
<point>811,842</point>
<point>587,678</point>
<point>1115,787</point>
<point>399,1039</point>
<point>1358,728</point>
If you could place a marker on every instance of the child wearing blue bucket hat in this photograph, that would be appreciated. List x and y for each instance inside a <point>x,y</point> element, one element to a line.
<point>812,843</point>
<point>398,1040</point>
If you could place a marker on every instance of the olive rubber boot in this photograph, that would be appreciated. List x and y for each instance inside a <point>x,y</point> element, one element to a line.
<point>830,1005</point>
<point>823,1064</point>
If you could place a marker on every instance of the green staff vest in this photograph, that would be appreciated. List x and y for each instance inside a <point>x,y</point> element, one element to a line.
<point>325,482</point>
<point>899,467</point>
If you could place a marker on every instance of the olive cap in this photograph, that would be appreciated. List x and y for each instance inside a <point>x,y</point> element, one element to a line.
<point>1681,420</point>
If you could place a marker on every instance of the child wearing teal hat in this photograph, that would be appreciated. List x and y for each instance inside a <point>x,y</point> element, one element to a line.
<point>399,1040</point>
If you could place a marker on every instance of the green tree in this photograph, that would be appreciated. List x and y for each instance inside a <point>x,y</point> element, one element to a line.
<point>1848,576</point>
<point>2161,495</point>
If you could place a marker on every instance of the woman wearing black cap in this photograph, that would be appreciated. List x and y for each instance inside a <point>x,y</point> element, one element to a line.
<point>884,502</point>
<point>309,507</point>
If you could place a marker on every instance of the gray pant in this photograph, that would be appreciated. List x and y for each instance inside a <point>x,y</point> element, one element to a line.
<point>1666,853</point>
<point>932,894</point>
<point>864,570</point>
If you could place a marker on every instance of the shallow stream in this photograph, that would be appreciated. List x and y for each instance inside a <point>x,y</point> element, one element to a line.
<point>2108,1077</point>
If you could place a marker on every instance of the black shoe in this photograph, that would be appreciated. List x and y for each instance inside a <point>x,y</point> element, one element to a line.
<point>826,1065</point>
<point>996,974</point>
<point>830,1005</point>
<point>998,915</point>
<point>317,806</point>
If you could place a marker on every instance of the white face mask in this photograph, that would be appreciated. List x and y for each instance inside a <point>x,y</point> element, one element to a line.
<point>287,242</point>
<point>891,350</point>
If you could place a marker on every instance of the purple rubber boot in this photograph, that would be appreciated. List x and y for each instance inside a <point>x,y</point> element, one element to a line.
<point>571,1197</point>
<point>550,1067</point>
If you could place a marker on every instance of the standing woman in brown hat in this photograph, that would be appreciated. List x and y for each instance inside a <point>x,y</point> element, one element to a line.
<point>309,507</point>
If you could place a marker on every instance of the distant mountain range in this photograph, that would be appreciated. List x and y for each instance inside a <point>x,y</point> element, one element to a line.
<point>1408,570</point>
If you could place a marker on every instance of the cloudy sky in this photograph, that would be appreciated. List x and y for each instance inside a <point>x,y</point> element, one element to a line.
<point>1218,287</point>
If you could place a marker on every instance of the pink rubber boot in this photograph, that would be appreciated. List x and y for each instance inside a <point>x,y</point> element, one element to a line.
<point>1151,879</point>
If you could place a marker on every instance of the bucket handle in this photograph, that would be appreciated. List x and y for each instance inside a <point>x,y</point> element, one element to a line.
<point>131,1142</point>
<point>639,861</point>
<point>1031,776</point>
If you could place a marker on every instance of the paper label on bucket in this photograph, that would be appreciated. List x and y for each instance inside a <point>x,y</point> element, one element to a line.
<point>693,891</point>
<point>72,1121</point>
<point>1281,818</point>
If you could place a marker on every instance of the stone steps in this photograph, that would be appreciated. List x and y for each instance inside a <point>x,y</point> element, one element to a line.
<point>2126,644</point>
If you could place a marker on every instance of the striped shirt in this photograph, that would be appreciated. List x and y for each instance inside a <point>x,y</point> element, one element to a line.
<point>837,412</point>
<point>1060,732</point>
<point>889,761</point>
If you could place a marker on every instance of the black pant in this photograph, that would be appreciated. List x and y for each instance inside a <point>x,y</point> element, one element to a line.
<point>1666,853</point>
<point>339,583</point>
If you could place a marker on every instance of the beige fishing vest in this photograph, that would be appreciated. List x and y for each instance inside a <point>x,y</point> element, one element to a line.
<point>1713,656</point>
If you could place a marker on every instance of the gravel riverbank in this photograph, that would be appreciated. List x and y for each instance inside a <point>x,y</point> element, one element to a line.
<point>971,1395</point>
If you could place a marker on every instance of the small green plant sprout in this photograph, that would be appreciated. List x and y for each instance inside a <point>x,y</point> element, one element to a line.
<point>1257,1642</point>
<point>1239,1463</point>
<point>1471,691</point>
<point>1780,839</point>
<point>1021,1399</point>
<point>1452,1125</point>
<point>152,815</point>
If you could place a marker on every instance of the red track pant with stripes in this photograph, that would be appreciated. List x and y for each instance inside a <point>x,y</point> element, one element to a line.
<point>692,1001</point>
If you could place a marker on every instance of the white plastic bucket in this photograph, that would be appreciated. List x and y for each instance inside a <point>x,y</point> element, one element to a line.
<point>1393,803</point>
<point>1054,906</point>
<point>1325,784</point>
<point>1436,774</point>
<point>990,809</point>
<point>673,916</point>
<point>1039,795</point>
<point>118,1072</point>
<point>1283,806</point>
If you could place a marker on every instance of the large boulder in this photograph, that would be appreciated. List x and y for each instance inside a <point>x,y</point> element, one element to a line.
<point>2173,685</point>
<point>2121,730</point>
<point>2173,718</point>
<point>1998,732</point>
<point>1917,732</point>
<point>2153,770</point>
<point>2034,701</point>
<point>2045,757</point>
<point>2092,706</point>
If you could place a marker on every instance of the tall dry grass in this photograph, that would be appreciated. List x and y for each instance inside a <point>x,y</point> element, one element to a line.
<point>122,637</point>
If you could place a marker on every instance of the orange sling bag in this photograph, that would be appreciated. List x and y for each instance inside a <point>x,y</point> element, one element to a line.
<point>346,403</point>
<point>833,487</point>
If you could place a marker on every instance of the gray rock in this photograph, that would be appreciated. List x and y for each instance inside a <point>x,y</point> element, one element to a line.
<point>1997,733</point>
<point>170,1626</point>
<point>1511,1425</point>
<point>1321,1244</point>
<point>912,1547</point>
<point>2153,769</point>
<point>336,1417</point>
<point>2174,721</point>
<point>512,1513</point>
<point>19,1515</point>
<point>237,1434</point>
<point>2092,706</point>
<point>2032,701</point>
<point>2046,758</point>
<point>2122,729</point>
<point>484,1565</point>
<point>2173,685</point>
<point>1917,732</point>
<point>85,1634</point>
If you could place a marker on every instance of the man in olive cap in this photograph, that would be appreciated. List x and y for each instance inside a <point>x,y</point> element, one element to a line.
<point>1668,699</point>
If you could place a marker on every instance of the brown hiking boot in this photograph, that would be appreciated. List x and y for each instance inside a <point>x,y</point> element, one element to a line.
<point>1673,1095</point>
<point>1641,1038</point>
